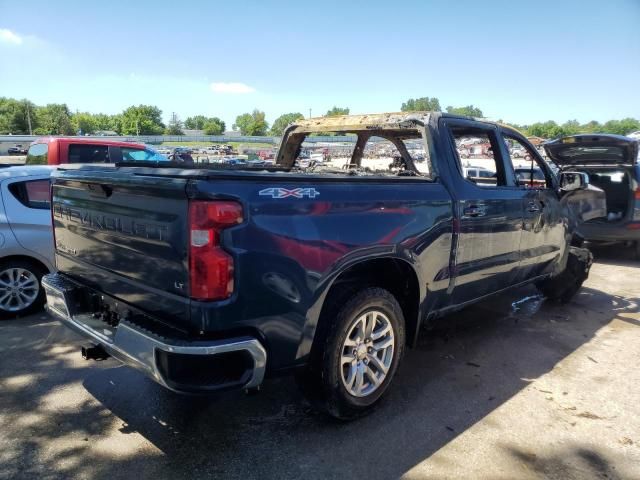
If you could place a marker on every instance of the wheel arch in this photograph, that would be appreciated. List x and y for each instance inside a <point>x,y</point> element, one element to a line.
<point>391,273</point>
<point>26,258</point>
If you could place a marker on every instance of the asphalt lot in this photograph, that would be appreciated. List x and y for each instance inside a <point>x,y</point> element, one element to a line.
<point>511,388</point>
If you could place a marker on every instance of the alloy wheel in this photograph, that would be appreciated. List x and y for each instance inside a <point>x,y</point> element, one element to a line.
<point>367,353</point>
<point>19,288</point>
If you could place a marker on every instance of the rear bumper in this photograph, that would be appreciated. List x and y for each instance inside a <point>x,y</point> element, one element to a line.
<point>179,365</point>
<point>602,232</point>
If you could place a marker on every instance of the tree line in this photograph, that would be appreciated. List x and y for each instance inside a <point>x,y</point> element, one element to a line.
<point>548,129</point>
<point>25,117</point>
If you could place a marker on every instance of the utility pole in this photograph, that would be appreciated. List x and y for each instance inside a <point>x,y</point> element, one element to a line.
<point>29,118</point>
<point>309,113</point>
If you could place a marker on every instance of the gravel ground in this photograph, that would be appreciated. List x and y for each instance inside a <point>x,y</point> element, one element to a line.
<point>513,387</point>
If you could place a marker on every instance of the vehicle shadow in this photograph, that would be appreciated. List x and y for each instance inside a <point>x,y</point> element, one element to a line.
<point>464,367</point>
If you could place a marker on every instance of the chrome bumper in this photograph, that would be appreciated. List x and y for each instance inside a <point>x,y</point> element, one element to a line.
<point>138,348</point>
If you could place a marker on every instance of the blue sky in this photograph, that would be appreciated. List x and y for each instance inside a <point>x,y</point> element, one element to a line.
<point>518,61</point>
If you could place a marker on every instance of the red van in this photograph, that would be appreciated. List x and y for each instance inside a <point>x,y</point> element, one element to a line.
<point>61,150</point>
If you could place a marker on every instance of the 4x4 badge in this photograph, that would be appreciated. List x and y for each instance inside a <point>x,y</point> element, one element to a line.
<point>279,192</point>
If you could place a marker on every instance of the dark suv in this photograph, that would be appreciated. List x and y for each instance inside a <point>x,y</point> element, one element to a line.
<point>611,161</point>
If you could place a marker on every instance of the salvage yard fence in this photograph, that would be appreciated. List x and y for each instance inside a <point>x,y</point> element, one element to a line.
<point>158,139</point>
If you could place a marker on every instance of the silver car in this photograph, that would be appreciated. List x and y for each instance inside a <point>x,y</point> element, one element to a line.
<point>26,240</point>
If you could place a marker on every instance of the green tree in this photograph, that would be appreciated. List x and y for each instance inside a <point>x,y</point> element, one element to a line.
<point>277,129</point>
<point>141,120</point>
<point>112,122</point>
<point>469,111</point>
<point>591,127</point>
<point>252,123</point>
<point>84,122</point>
<point>17,116</point>
<point>336,111</point>
<point>214,126</point>
<point>548,129</point>
<point>7,106</point>
<point>108,122</point>
<point>175,126</point>
<point>54,119</point>
<point>520,128</point>
<point>621,127</point>
<point>571,127</point>
<point>425,104</point>
<point>196,122</point>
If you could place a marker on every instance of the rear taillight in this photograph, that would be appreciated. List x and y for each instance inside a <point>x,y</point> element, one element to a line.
<point>637,195</point>
<point>210,267</point>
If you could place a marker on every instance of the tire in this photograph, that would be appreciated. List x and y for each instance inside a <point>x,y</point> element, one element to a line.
<point>20,280</point>
<point>564,286</point>
<point>636,250</point>
<point>348,390</point>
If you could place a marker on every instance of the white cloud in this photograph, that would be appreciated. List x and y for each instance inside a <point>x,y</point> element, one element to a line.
<point>7,36</point>
<point>231,87</point>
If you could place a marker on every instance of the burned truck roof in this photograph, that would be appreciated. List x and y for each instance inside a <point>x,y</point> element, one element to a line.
<point>355,123</point>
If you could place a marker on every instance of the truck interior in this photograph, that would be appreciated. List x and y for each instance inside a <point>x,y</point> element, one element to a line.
<point>374,152</point>
<point>391,145</point>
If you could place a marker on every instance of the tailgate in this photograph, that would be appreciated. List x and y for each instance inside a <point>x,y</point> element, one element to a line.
<point>125,235</point>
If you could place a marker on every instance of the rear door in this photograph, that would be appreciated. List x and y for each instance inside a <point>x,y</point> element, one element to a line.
<point>125,235</point>
<point>26,206</point>
<point>490,212</point>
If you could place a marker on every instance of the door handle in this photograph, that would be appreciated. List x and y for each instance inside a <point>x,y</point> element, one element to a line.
<point>533,207</point>
<point>474,211</point>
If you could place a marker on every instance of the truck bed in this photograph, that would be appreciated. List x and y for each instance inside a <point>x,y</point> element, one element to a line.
<point>123,232</point>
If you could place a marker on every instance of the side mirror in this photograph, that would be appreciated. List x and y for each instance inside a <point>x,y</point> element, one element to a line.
<point>570,181</point>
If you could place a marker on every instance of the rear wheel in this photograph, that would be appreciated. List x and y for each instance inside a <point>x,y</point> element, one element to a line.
<point>359,355</point>
<point>636,250</point>
<point>20,289</point>
<point>564,286</point>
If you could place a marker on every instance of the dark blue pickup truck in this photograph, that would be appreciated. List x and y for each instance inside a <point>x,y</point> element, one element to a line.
<point>213,278</point>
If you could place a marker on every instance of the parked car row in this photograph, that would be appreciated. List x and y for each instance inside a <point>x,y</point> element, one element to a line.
<point>17,150</point>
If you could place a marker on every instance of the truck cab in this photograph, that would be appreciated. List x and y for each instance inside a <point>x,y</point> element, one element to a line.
<point>64,150</point>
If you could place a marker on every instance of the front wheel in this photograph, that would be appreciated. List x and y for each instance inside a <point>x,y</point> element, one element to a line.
<point>360,355</point>
<point>564,286</point>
